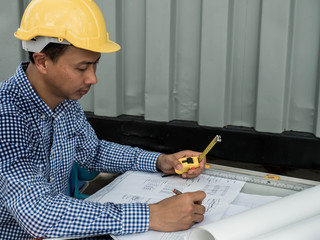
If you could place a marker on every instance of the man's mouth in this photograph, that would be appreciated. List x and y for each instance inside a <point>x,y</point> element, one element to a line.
<point>84,91</point>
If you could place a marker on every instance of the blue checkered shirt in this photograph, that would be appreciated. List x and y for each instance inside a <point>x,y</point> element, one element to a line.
<point>37,148</point>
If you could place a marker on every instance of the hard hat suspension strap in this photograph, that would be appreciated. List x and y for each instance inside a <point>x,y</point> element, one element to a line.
<point>38,43</point>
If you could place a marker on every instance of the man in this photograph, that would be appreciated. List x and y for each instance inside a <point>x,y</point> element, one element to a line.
<point>43,130</point>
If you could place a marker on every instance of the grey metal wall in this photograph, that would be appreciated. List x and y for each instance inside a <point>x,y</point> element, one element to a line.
<point>10,47</point>
<point>252,63</point>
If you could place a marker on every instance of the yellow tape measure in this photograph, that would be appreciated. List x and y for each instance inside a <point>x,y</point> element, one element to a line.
<point>194,162</point>
<point>216,139</point>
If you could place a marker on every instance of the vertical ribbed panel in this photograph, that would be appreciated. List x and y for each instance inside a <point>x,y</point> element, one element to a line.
<point>10,46</point>
<point>213,78</point>
<point>252,63</point>
<point>304,69</point>
<point>159,60</point>
<point>242,66</point>
<point>187,59</point>
<point>272,79</point>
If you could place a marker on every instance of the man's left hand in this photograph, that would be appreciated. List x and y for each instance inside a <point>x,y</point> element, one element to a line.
<point>168,162</point>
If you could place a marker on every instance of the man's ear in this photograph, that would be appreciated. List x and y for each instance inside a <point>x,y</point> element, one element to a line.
<point>40,60</point>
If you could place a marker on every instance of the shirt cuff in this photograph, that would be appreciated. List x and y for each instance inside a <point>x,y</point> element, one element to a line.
<point>147,161</point>
<point>135,218</point>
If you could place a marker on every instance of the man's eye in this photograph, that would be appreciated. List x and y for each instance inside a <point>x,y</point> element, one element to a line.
<point>81,69</point>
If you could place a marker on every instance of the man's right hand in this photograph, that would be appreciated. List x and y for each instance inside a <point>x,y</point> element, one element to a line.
<point>177,213</point>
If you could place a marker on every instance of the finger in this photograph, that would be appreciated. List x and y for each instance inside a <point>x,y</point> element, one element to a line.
<point>199,209</point>
<point>188,175</point>
<point>197,218</point>
<point>194,154</point>
<point>187,153</point>
<point>192,173</point>
<point>195,171</point>
<point>198,196</point>
<point>203,162</point>
<point>182,154</point>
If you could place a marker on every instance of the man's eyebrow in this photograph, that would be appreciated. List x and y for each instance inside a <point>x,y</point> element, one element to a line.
<point>88,63</point>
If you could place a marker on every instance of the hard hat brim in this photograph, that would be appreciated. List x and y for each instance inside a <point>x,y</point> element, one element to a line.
<point>108,47</point>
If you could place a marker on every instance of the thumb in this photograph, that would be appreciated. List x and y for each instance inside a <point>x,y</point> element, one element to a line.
<point>177,165</point>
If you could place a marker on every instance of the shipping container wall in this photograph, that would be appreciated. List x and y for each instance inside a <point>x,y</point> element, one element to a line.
<point>251,63</point>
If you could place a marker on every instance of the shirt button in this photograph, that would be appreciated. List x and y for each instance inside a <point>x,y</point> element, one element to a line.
<point>51,179</point>
<point>43,116</point>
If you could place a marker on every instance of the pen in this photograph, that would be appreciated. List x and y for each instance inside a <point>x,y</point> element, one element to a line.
<point>176,191</point>
<point>168,175</point>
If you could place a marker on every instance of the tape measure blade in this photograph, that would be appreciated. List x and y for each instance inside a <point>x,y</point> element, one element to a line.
<point>216,139</point>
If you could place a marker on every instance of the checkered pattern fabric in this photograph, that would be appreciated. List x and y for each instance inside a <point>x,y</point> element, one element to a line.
<point>37,148</point>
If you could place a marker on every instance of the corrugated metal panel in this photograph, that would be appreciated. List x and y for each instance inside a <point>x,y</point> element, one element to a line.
<point>239,62</point>
<point>10,46</point>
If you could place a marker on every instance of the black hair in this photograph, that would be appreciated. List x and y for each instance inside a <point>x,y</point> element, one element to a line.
<point>52,50</point>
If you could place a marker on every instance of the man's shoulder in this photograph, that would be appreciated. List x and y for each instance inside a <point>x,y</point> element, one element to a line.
<point>11,99</point>
<point>8,86</point>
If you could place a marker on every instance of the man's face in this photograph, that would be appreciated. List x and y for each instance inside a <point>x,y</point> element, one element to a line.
<point>73,74</point>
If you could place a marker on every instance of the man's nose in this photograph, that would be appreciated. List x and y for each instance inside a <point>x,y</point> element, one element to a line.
<point>91,77</point>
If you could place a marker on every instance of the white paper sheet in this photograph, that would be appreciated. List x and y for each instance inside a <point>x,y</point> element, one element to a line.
<point>265,219</point>
<point>244,202</point>
<point>151,187</point>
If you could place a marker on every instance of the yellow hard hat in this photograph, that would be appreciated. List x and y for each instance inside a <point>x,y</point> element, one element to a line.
<point>79,22</point>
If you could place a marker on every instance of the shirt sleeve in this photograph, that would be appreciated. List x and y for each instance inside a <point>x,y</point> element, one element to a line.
<point>34,202</point>
<point>105,156</point>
